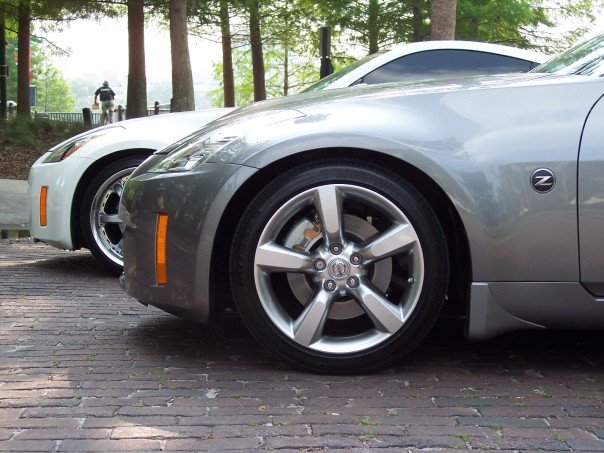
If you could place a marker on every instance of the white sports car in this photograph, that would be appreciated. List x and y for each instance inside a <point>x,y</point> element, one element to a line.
<point>75,188</point>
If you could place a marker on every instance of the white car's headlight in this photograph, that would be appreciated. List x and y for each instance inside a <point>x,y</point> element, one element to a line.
<point>67,148</point>
<point>199,147</point>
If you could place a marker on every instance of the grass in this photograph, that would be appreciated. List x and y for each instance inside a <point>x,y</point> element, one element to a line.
<point>464,437</point>
<point>27,132</point>
<point>366,421</point>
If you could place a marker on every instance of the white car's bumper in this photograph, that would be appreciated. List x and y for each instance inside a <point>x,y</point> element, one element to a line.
<point>60,180</point>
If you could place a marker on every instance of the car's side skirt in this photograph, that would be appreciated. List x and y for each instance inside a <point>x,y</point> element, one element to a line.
<point>499,307</point>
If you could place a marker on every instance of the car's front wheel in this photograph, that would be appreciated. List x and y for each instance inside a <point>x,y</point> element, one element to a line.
<point>339,267</point>
<point>99,223</point>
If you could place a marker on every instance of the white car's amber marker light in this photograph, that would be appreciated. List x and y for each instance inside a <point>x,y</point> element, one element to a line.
<point>43,196</point>
<point>160,249</point>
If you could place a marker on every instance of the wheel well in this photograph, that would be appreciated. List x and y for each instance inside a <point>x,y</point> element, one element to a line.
<point>459,250</point>
<point>86,179</point>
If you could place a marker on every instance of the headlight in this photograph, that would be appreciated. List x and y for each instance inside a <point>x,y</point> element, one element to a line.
<point>188,153</point>
<point>67,148</point>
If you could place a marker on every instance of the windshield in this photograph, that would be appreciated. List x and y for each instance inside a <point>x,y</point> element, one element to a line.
<point>326,81</point>
<point>586,58</point>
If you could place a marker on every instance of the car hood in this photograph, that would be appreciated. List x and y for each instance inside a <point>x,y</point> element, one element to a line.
<point>304,102</point>
<point>169,121</point>
<point>399,114</point>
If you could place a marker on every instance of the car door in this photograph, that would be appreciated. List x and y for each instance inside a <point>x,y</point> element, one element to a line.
<point>591,201</point>
<point>445,63</point>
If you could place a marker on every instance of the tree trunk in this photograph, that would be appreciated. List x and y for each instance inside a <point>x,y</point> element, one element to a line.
<point>183,97</point>
<point>23,104</point>
<point>228,78</point>
<point>418,22</point>
<point>286,68</point>
<point>443,19</point>
<point>257,55</point>
<point>373,26</point>
<point>3,70</point>
<point>136,101</point>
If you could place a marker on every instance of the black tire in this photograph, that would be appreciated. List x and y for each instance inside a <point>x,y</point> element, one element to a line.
<point>104,242</point>
<point>249,285</point>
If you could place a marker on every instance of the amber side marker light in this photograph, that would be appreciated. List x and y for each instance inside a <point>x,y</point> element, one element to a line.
<point>160,249</point>
<point>43,197</point>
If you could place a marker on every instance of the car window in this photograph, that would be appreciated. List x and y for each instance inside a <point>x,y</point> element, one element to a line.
<point>586,58</point>
<point>326,81</point>
<point>432,64</point>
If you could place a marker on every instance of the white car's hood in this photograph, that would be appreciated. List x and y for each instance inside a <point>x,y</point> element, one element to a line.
<point>166,123</point>
<point>149,133</point>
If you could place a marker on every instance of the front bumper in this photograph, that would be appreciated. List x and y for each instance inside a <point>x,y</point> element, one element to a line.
<point>61,179</point>
<point>194,203</point>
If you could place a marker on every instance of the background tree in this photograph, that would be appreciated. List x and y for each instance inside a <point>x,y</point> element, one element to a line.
<point>443,19</point>
<point>23,79</point>
<point>525,23</point>
<point>212,20</point>
<point>136,100</point>
<point>22,13</point>
<point>182,77</point>
<point>301,73</point>
<point>81,88</point>
<point>371,24</point>
<point>253,7</point>
<point>228,79</point>
<point>54,94</point>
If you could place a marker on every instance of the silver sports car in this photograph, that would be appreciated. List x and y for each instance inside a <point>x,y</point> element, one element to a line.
<point>340,222</point>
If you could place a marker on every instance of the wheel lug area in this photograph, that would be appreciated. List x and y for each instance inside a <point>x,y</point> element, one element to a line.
<point>329,285</point>
<point>320,264</point>
<point>356,259</point>
<point>336,248</point>
<point>352,281</point>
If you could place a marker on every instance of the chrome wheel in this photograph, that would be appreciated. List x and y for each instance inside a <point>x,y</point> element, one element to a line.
<point>338,269</point>
<point>99,223</point>
<point>104,222</point>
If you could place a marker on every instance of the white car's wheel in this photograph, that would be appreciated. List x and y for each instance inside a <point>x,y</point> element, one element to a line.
<point>339,267</point>
<point>98,218</point>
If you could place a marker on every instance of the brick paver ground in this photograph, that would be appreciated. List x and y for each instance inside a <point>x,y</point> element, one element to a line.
<point>83,367</point>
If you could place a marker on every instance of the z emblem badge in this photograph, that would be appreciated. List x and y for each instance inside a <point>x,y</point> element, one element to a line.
<point>543,180</point>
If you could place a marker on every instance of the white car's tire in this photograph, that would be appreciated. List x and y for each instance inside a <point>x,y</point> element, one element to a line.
<point>98,217</point>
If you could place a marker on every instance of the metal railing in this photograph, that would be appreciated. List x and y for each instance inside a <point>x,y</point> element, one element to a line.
<point>74,117</point>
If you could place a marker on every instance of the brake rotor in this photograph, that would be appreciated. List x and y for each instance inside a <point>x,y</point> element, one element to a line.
<point>306,234</point>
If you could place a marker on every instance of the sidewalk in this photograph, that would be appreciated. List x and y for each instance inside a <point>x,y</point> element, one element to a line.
<point>14,211</point>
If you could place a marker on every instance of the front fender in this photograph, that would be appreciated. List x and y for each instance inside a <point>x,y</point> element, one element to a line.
<point>480,147</point>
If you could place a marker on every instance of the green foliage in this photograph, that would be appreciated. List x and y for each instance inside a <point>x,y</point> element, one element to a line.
<point>60,10</point>
<point>26,132</point>
<point>523,23</point>
<point>301,73</point>
<point>498,21</point>
<point>83,91</point>
<point>54,94</point>
<point>373,24</point>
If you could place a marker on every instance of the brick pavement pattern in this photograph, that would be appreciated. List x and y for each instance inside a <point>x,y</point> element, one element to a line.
<point>84,367</point>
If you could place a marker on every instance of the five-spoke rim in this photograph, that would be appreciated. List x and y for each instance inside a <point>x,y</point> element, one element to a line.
<point>104,222</point>
<point>340,267</point>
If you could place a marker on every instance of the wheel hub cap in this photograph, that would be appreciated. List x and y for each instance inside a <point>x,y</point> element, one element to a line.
<point>339,268</point>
